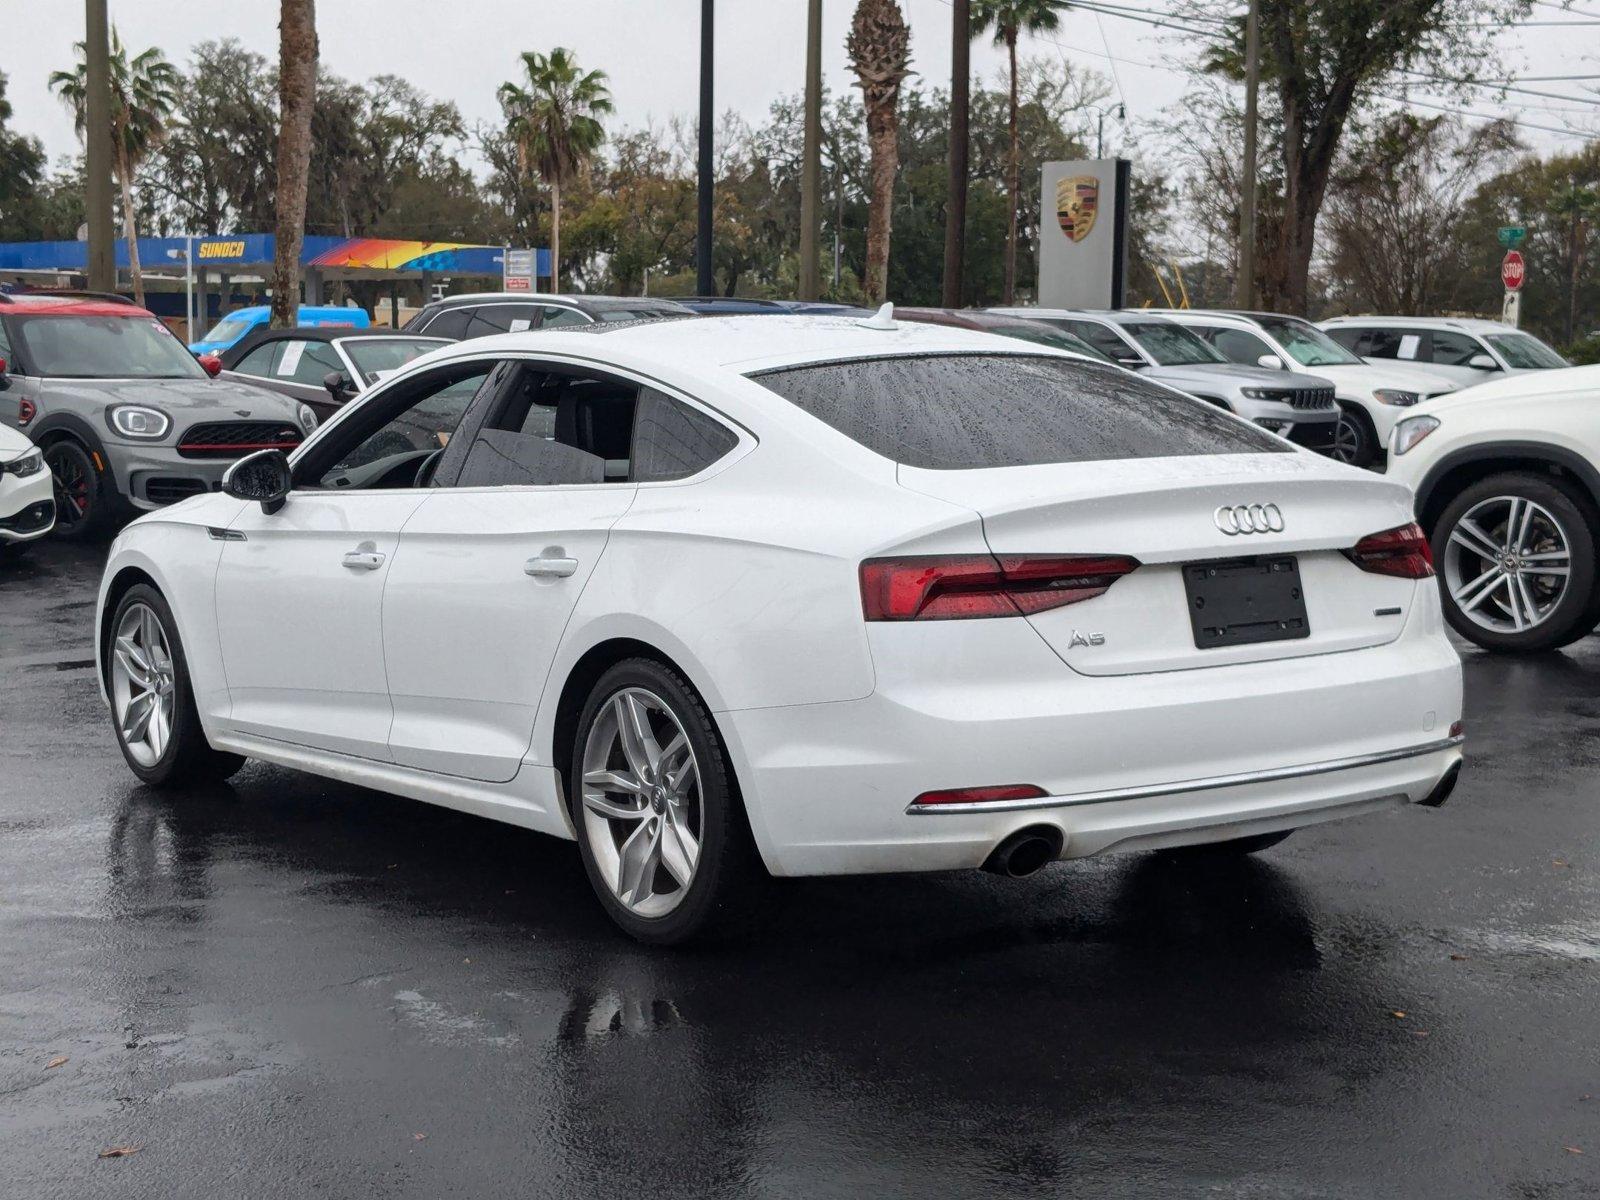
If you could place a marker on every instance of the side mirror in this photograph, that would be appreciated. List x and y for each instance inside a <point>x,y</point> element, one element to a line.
<point>1483,362</point>
<point>211,363</point>
<point>263,476</point>
<point>1270,361</point>
<point>339,386</point>
<point>5,380</point>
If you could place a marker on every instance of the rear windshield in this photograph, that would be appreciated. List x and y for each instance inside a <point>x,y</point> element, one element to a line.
<point>954,412</point>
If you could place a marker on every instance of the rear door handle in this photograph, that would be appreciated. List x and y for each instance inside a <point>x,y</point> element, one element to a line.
<point>558,568</point>
<point>363,560</point>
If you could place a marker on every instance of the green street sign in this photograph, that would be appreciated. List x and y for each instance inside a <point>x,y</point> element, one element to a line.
<point>1512,235</point>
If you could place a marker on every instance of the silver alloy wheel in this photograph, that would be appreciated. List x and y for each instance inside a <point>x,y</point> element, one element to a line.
<point>1346,439</point>
<point>1507,563</point>
<point>642,807</point>
<point>143,684</point>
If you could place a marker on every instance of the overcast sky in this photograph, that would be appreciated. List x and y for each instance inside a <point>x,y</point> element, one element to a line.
<point>461,49</point>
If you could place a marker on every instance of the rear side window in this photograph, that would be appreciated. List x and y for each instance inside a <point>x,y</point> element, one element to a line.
<point>450,323</point>
<point>964,411</point>
<point>673,441</point>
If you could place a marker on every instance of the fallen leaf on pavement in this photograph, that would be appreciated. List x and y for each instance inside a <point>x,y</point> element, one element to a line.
<point>124,1151</point>
<point>1459,957</point>
<point>58,1061</point>
<point>1420,1032</point>
<point>1398,1013</point>
<point>1572,1150</point>
<point>1559,862</point>
<point>419,1137</point>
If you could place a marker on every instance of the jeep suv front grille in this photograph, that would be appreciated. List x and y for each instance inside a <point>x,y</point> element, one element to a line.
<point>1311,398</point>
<point>234,439</point>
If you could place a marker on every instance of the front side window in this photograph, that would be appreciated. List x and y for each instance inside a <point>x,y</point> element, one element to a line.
<point>968,411</point>
<point>1525,352</point>
<point>1237,346</point>
<point>1307,344</point>
<point>1106,340</point>
<point>306,362</point>
<point>259,361</point>
<point>1171,344</point>
<point>450,323</point>
<point>1450,349</point>
<point>388,440</point>
<point>82,347</point>
<point>378,358</point>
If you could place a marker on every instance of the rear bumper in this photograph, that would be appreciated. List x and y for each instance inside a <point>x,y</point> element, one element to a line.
<point>1128,762</point>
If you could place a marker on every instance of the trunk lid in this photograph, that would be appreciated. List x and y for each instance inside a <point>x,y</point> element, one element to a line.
<point>1162,511</point>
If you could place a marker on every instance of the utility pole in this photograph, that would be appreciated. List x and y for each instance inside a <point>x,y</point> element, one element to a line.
<point>811,159</point>
<point>955,218</point>
<point>97,147</point>
<point>1245,285</point>
<point>705,278</point>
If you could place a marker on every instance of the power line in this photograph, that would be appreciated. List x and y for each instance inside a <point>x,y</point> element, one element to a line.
<point>1500,87</point>
<point>1487,117</point>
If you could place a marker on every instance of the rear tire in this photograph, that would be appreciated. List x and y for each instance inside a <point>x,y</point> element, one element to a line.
<point>84,501</point>
<point>1471,547</point>
<point>1233,846</point>
<point>152,705</point>
<point>660,823</point>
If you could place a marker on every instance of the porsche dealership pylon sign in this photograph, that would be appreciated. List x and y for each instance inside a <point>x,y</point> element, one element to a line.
<point>1083,252</point>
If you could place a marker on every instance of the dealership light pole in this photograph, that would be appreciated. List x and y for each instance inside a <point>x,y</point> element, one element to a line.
<point>705,280</point>
<point>955,216</point>
<point>97,148</point>
<point>811,159</point>
<point>1244,290</point>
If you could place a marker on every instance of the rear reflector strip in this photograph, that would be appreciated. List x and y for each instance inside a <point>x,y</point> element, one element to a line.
<point>983,795</point>
<point>953,587</point>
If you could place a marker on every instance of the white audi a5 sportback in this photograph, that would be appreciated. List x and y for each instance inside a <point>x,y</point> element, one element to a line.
<point>796,595</point>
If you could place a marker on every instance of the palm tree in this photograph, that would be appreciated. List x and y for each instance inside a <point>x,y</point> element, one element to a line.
<point>880,54</point>
<point>144,91</point>
<point>297,98</point>
<point>1010,19</point>
<point>553,120</point>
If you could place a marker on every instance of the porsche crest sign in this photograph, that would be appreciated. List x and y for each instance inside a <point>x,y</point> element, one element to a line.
<point>1077,201</point>
<point>1083,252</point>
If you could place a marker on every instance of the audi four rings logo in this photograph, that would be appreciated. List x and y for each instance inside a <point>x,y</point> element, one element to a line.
<point>1248,518</point>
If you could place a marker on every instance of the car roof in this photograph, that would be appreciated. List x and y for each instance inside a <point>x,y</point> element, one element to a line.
<point>1469,324</point>
<point>35,305</point>
<point>744,343</point>
<point>581,303</point>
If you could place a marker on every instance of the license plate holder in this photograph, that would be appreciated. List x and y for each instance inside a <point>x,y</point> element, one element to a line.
<point>1241,601</point>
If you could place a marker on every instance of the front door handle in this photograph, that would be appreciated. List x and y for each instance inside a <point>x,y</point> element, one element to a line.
<point>363,560</point>
<point>558,568</point>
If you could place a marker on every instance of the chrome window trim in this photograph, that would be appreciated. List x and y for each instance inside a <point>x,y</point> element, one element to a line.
<point>1212,783</point>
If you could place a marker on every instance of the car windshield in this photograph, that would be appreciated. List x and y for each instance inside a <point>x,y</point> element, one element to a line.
<point>229,329</point>
<point>1171,345</point>
<point>84,347</point>
<point>1045,336</point>
<point>966,411</point>
<point>1524,352</point>
<point>1307,344</point>
<point>377,357</point>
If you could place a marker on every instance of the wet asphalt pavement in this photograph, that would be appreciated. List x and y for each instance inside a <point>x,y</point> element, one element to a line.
<point>288,987</point>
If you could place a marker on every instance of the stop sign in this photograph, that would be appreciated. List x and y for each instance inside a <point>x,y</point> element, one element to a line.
<point>1512,270</point>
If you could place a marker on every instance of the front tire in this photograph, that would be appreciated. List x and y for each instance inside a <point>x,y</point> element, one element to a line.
<point>152,705</point>
<point>1354,441</point>
<point>83,501</point>
<point>660,824</point>
<point>1516,559</point>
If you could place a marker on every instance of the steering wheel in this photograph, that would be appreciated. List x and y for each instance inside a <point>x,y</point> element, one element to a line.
<point>425,470</point>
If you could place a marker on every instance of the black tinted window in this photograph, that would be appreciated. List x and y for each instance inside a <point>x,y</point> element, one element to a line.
<point>1104,340</point>
<point>450,323</point>
<point>673,441</point>
<point>951,412</point>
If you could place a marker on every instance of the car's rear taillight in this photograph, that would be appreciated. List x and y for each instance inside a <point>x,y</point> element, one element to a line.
<point>1403,552</point>
<point>25,411</point>
<point>950,587</point>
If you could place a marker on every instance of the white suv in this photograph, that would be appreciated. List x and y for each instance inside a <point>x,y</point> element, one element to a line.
<point>1507,482</point>
<point>1467,350</point>
<point>1371,398</point>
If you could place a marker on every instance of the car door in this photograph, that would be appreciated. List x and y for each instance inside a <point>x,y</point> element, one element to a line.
<point>299,591</point>
<point>492,564</point>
